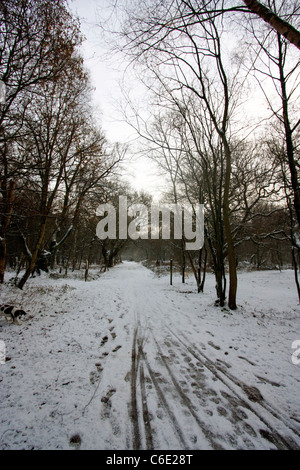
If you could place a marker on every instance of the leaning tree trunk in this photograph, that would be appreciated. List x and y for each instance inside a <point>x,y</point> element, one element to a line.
<point>281,26</point>
<point>288,134</point>
<point>34,256</point>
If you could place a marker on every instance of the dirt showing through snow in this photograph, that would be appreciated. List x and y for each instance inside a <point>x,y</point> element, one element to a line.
<point>127,361</point>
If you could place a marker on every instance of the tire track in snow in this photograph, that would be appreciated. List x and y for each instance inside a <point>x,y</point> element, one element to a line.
<point>167,387</point>
<point>146,414</point>
<point>162,398</point>
<point>285,443</point>
<point>263,411</point>
<point>134,407</point>
<point>139,413</point>
<point>187,402</point>
<point>142,431</point>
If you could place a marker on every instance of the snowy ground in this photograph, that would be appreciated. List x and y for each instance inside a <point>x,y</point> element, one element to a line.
<point>127,361</point>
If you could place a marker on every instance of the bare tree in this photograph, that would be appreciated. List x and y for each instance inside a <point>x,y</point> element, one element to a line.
<point>37,39</point>
<point>186,59</point>
<point>63,152</point>
<point>282,27</point>
<point>273,59</point>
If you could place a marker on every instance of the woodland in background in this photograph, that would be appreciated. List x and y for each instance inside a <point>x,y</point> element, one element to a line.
<point>201,64</point>
<point>57,166</point>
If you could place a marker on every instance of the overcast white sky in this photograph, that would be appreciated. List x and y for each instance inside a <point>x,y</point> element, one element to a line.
<point>105,76</point>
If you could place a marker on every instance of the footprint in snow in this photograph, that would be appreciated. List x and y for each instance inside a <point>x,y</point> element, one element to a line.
<point>95,375</point>
<point>109,394</point>
<point>104,340</point>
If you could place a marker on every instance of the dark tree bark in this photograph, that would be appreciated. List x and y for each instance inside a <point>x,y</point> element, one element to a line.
<point>7,209</point>
<point>288,133</point>
<point>281,26</point>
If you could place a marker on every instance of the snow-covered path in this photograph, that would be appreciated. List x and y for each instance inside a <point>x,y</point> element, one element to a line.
<point>129,362</point>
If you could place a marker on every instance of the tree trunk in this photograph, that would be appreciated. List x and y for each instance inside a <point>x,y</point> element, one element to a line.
<point>105,257</point>
<point>281,26</point>
<point>288,135</point>
<point>35,254</point>
<point>193,267</point>
<point>86,272</point>
<point>8,199</point>
<point>228,234</point>
<point>295,266</point>
<point>201,280</point>
<point>74,249</point>
<point>220,281</point>
<point>111,260</point>
<point>183,263</point>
